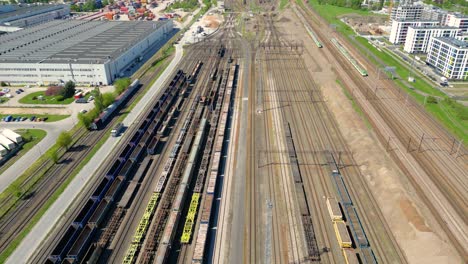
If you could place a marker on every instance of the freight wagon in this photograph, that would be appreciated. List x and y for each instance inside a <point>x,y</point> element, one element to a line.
<point>334,209</point>
<point>349,256</point>
<point>104,116</point>
<point>342,234</point>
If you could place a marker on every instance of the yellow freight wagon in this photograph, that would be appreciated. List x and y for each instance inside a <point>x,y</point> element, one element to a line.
<point>350,257</point>
<point>342,234</point>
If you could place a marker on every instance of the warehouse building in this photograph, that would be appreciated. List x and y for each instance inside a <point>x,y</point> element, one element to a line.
<point>14,18</point>
<point>399,29</point>
<point>418,38</point>
<point>86,52</point>
<point>449,56</point>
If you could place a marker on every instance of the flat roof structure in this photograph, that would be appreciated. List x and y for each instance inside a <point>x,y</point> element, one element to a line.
<point>28,10</point>
<point>460,44</point>
<point>74,41</point>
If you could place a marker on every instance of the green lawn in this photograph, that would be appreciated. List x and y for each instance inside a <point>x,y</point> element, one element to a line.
<point>51,118</point>
<point>32,137</point>
<point>28,99</point>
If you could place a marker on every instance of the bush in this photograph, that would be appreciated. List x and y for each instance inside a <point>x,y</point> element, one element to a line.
<point>34,98</point>
<point>432,100</point>
<point>107,99</point>
<point>121,84</point>
<point>53,90</point>
<point>60,98</point>
<point>3,84</point>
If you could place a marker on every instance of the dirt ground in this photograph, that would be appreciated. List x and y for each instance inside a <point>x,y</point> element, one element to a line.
<point>365,25</point>
<point>419,236</point>
<point>212,21</point>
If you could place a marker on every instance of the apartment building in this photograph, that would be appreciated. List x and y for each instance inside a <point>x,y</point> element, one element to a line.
<point>449,56</point>
<point>399,29</point>
<point>418,38</point>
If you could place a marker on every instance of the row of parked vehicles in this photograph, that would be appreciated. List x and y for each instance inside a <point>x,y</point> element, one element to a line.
<point>6,92</point>
<point>23,118</point>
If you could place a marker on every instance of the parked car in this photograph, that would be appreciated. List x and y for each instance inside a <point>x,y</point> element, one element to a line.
<point>32,118</point>
<point>21,90</point>
<point>45,118</point>
<point>8,95</point>
<point>81,101</point>
<point>23,118</point>
<point>83,111</point>
<point>2,93</point>
<point>17,92</point>
<point>8,118</point>
<point>90,98</point>
<point>6,90</point>
<point>18,119</point>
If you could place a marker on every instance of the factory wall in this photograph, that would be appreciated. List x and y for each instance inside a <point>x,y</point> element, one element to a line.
<point>82,73</point>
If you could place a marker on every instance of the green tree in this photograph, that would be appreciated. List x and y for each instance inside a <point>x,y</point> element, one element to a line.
<point>431,100</point>
<point>105,2</point>
<point>108,99</point>
<point>69,89</point>
<point>64,140</point>
<point>89,5</point>
<point>98,100</point>
<point>75,8</point>
<point>121,84</point>
<point>3,84</point>
<point>54,156</point>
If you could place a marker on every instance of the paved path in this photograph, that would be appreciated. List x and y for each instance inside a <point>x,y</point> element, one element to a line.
<point>39,233</point>
<point>17,168</point>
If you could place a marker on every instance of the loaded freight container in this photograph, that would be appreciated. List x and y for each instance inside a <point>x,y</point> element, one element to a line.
<point>342,234</point>
<point>350,257</point>
<point>334,209</point>
<point>8,144</point>
<point>15,137</point>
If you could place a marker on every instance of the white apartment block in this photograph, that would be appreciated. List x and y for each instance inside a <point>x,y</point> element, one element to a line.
<point>449,56</point>
<point>418,38</point>
<point>400,28</point>
<point>456,20</point>
<point>407,12</point>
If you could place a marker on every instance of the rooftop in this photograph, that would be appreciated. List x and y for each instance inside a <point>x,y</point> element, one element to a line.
<point>417,20</point>
<point>454,42</point>
<point>76,41</point>
<point>27,10</point>
<point>434,27</point>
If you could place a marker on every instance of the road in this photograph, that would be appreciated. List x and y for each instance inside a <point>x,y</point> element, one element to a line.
<point>55,213</point>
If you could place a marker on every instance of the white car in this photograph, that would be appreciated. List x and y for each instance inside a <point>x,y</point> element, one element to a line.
<point>8,96</point>
<point>90,98</point>
<point>83,111</point>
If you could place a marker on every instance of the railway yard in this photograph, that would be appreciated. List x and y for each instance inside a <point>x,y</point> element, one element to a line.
<point>245,156</point>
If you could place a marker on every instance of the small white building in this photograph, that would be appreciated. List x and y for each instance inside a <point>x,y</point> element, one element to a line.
<point>457,20</point>
<point>449,56</point>
<point>86,52</point>
<point>399,29</point>
<point>11,135</point>
<point>418,38</point>
<point>8,144</point>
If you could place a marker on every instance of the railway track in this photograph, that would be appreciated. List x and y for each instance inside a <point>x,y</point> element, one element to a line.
<point>418,144</point>
<point>13,223</point>
<point>316,137</point>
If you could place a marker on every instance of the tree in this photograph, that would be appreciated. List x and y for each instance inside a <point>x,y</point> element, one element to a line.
<point>98,100</point>
<point>54,156</point>
<point>85,120</point>
<point>89,5</point>
<point>431,100</point>
<point>64,140</point>
<point>121,84</point>
<point>108,99</point>
<point>75,8</point>
<point>69,89</point>
<point>3,84</point>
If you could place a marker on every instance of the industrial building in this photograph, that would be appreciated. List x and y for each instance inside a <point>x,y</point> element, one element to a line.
<point>418,38</point>
<point>399,29</point>
<point>14,18</point>
<point>449,56</point>
<point>86,52</point>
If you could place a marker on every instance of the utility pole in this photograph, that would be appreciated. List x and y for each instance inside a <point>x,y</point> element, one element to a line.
<point>268,232</point>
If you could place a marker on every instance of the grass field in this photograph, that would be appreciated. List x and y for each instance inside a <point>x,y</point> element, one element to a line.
<point>452,115</point>
<point>50,118</point>
<point>28,99</point>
